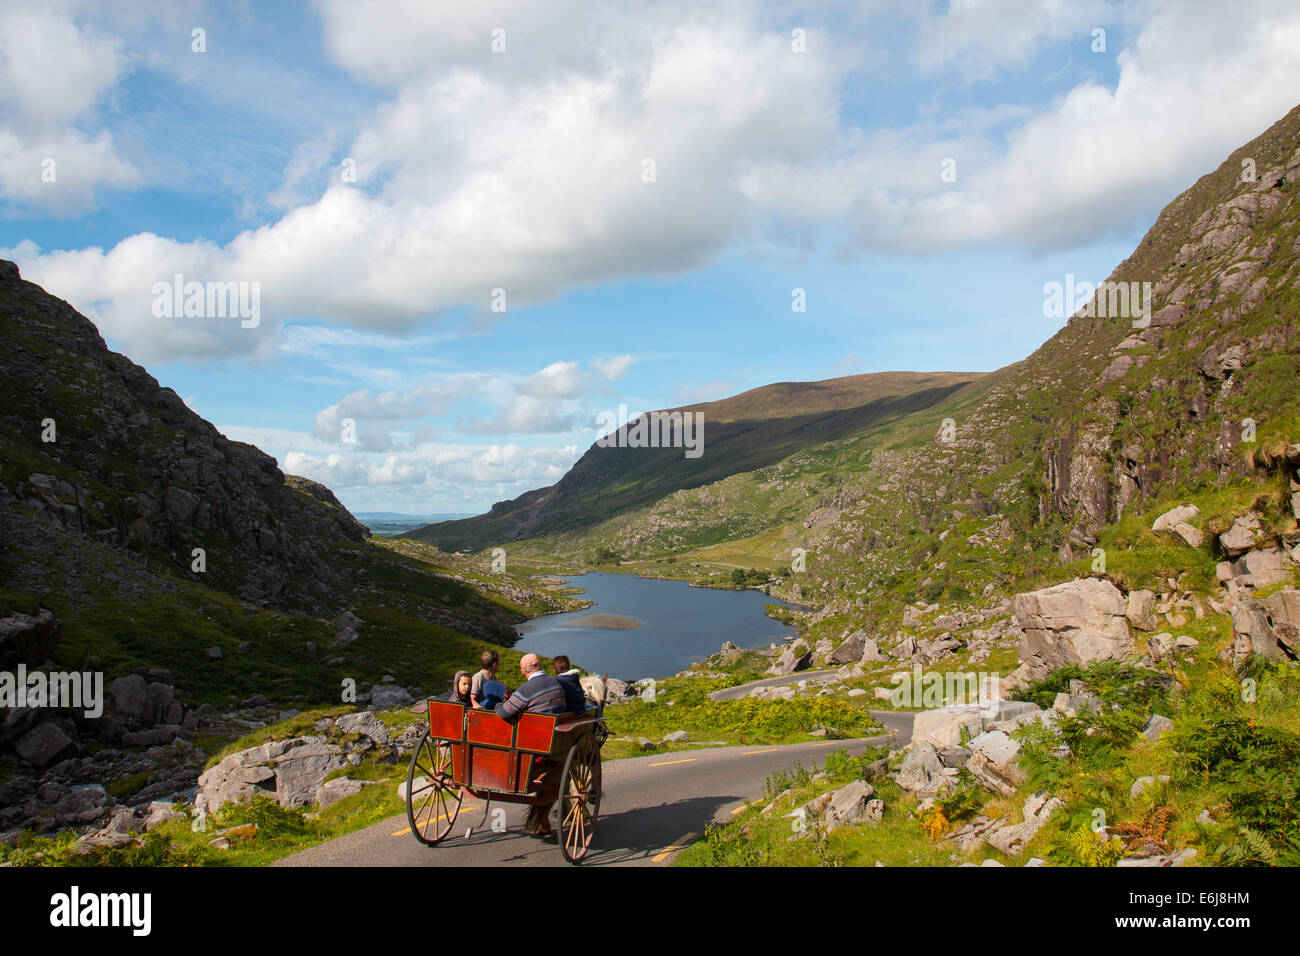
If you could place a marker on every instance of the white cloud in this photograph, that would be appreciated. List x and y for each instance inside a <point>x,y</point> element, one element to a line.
<point>53,72</point>
<point>612,368</point>
<point>978,37</point>
<point>557,380</point>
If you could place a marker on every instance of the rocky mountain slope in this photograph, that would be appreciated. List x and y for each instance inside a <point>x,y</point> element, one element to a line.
<point>747,431</point>
<point>206,592</point>
<point>1103,421</point>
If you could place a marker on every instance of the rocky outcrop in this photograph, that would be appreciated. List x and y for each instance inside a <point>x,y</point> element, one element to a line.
<point>1072,623</point>
<point>796,657</point>
<point>850,650</point>
<point>28,640</point>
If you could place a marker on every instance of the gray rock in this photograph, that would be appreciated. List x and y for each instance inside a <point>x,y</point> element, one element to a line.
<point>213,653</point>
<point>367,725</point>
<point>1072,623</point>
<point>340,788</point>
<point>796,657</point>
<point>993,762</point>
<point>28,640</point>
<point>346,626</point>
<point>289,770</point>
<point>1175,516</point>
<point>1140,610</point>
<point>1142,783</point>
<point>390,697</point>
<point>849,804</point>
<point>943,727</point>
<point>849,651</point>
<point>44,745</point>
<point>1240,538</point>
<point>922,773</point>
<point>676,737</point>
<point>1156,726</point>
<point>954,756</point>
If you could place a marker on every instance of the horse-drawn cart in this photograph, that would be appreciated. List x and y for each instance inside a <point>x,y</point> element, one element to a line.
<point>476,752</point>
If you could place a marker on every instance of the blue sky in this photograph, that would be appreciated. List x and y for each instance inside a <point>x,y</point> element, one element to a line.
<point>794,146</point>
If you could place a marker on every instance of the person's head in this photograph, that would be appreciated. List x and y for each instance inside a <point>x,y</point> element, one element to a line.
<point>529,663</point>
<point>489,661</point>
<point>562,663</point>
<point>461,684</point>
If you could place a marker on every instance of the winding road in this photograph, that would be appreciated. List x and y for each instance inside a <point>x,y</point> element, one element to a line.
<point>654,806</point>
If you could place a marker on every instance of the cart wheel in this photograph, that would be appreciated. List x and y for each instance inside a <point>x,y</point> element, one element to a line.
<point>431,806</point>
<point>579,798</point>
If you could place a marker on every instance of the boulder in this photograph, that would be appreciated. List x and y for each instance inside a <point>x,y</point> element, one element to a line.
<point>871,652</point>
<point>1037,809</point>
<point>942,728</point>
<point>954,756</point>
<point>340,788</point>
<point>1072,623</point>
<point>1260,568</point>
<point>390,697</point>
<point>1140,609</point>
<point>993,762</point>
<point>676,737</point>
<point>1175,516</point>
<point>1240,538</point>
<point>44,745</point>
<point>1156,726</point>
<point>1251,631</point>
<point>849,651</point>
<point>28,640</point>
<point>1142,783</point>
<point>922,773</point>
<point>796,657</point>
<point>346,626</point>
<point>291,771</point>
<point>848,804</point>
<point>730,653</point>
<point>1191,536</point>
<point>367,725</point>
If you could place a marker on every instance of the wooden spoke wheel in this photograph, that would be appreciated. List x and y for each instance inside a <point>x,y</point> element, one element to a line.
<point>579,798</point>
<point>432,797</point>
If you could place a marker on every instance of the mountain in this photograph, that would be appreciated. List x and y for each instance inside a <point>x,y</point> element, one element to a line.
<point>160,545</point>
<point>741,433</point>
<point>1048,457</point>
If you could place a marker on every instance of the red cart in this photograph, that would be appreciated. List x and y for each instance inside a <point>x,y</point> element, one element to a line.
<point>475,751</point>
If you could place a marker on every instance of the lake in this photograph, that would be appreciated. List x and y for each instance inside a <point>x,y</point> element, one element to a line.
<point>682,624</point>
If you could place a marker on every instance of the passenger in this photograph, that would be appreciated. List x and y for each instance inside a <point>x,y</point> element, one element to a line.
<point>540,693</point>
<point>487,674</point>
<point>460,688</point>
<point>574,696</point>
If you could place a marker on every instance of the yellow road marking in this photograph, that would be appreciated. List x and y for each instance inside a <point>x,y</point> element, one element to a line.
<point>746,753</point>
<point>667,851</point>
<point>443,817</point>
<point>665,763</point>
<point>743,806</point>
<point>830,743</point>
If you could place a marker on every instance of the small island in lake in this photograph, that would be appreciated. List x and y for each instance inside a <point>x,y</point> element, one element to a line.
<point>611,622</point>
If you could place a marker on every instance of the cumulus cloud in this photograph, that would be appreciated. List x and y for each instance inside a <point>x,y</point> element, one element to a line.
<point>53,72</point>
<point>527,170</point>
<point>612,368</point>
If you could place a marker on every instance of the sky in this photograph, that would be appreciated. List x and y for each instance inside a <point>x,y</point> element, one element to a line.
<point>461,232</point>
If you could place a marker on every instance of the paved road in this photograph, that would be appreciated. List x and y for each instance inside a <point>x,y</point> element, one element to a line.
<point>740,690</point>
<point>653,806</point>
